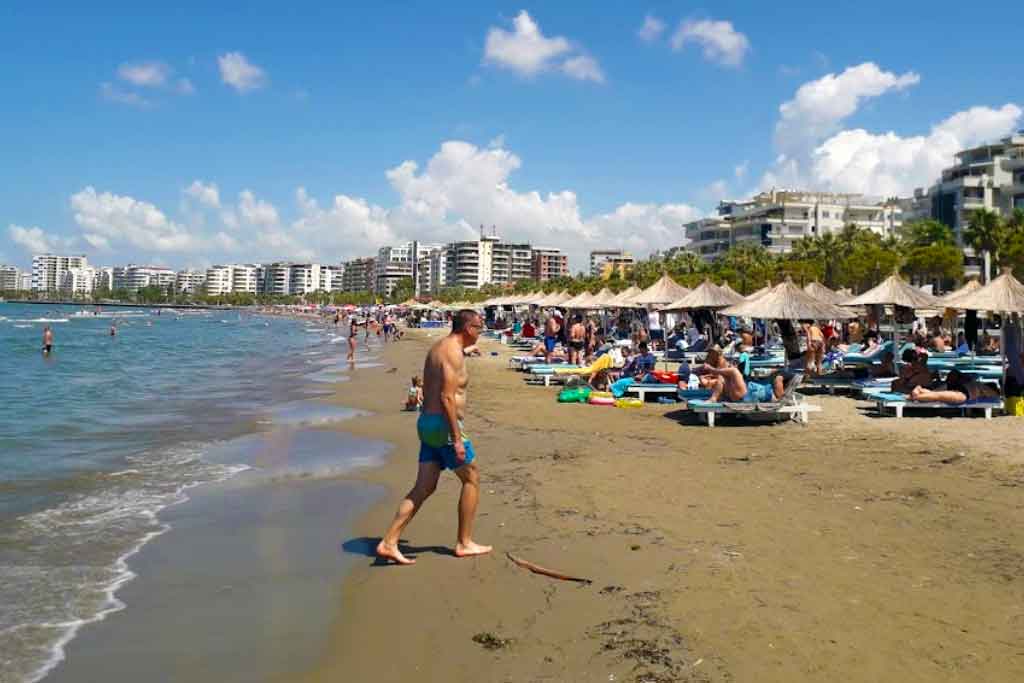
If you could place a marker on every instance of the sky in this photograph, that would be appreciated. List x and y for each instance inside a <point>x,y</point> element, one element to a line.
<point>187,134</point>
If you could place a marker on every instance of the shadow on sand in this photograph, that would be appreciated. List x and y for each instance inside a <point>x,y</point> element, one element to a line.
<point>367,547</point>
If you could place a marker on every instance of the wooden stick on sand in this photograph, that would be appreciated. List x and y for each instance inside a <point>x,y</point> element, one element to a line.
<point>536,569</point>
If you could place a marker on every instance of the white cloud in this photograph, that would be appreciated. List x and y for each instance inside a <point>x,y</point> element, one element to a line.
<point>205,194</point>
<point>652,29</point>
<point>583,68</point>
<point>35,240</point>
<point>887,164</point>
<point>111,219</point>
<point>721,43</point>
<point>239,73</point>
<point>144,74</point>
<point>256,211</point>
<point>528,52</point>
<point>819,107</point>
<point>716,190</point>
<point>112,93</point>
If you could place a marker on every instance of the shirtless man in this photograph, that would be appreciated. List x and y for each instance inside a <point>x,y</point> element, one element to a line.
<point>815,354</point>
<point>551,330</point>
<point>577,340</point>
<point>442,442</point>
<point>724,380</point>
<point>47,340</point>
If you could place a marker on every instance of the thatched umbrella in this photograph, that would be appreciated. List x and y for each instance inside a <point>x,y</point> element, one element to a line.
<point>664,291</point>
<point>547,300</point>
<point>895,291</point>
<point>706,295</point>
<point>603,299</point>
<point>787,301</point>
<point>823,293</point>
<point>582,300</point>
<point>761,292</point>
<point>624,299</point>
<point>725,286</point>
<point>950,300</point>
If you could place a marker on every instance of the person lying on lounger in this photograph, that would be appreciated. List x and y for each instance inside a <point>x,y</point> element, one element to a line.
<point>727,382</point>
<point>914,372</point>
<point>959,388</point>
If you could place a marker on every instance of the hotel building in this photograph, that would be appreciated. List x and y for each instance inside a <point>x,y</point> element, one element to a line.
<point>548,263</point>
<point>48,270</point>
<point>617,258</point>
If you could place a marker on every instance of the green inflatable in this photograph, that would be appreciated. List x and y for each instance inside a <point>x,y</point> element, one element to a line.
<point>574,395</point>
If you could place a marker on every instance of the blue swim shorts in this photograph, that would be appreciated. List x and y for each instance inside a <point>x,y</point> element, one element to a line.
<point>549,343</point>
<point>758,392</point>
<point>436,442</point>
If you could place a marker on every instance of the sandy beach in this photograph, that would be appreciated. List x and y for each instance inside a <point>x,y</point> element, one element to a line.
<point>855,548</point>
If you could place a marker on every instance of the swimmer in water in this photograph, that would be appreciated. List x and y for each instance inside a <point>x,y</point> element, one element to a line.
<point>113,330</point>
<point>47,340</point>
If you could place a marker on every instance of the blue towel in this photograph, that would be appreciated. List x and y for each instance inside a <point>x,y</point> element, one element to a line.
<point>619,388</point>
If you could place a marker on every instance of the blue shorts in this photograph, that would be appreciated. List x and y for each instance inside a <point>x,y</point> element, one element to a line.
<point>758,392</point>
<point>549,343</point>
<point>436,442</point>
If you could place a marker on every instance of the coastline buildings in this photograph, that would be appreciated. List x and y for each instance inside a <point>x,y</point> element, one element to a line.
<point>777,218</point>
<point>359,275</point>
<point>48,270</point>
<point>189,281</point>
<point>475,263</point>
<point>603,261</point>
<point>398,262</point>
<point>11,278</point>
<point>76,281</point>
<point>132,278</point>
<point>548,263</point>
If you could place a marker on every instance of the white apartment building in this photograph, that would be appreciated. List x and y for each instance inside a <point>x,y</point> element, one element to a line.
<point>332,278</point>
<point>305,278</point>
<point>24,281</point>
<point>48,270</point>
<point>778,218</point>
<point>436,276</point>
<point>616,257</point>
<point>247,278</point>
<point>475,263</point>
<point>218,280</point>
<point>277,279</point>
<point>78,281</point>
<point>398,262</point>
<point>10,278</point>
<point>189,281</point>
<point>133,278</point>
<point>104,278</point>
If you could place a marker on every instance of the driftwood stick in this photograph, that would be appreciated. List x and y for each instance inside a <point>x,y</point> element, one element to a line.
<point>536,569</point>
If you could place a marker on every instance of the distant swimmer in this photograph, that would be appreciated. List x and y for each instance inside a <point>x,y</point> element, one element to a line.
<point>113,330</point>
<point>47,340</point>
<point>443,443</point>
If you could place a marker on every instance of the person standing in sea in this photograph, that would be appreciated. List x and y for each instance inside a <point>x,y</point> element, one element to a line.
<point>47,340</point>
<point>443,443</point>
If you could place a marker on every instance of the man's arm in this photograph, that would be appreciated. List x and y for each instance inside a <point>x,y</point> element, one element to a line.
<point>453,362</point>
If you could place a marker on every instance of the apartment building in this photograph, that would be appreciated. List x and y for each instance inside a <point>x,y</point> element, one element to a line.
<point>78,281</point>
<point>359,275</point>
<point>10,278</point>
<point>132,278</point>
<point>778,218</point>
<point>48,270</point>
<point>104,278</point>
<point>398,262</point>
<point>617,258</point>
<point>548,263</point>
<point>189,281</point>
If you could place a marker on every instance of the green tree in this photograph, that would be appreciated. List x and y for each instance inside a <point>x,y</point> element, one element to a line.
<point>924,232</point>
<point>939,263</point>
<point>987,233</point>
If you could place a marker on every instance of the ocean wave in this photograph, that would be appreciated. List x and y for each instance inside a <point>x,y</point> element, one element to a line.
<point>70,560</point>
<point>43,320</point>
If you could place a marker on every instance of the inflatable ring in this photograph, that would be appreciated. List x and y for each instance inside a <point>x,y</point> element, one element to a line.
<point>666,377</point>
<point>601,398</point>
<point>631,402</point>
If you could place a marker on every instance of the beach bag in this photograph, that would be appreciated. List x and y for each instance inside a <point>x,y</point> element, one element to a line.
<point>1014,405</point>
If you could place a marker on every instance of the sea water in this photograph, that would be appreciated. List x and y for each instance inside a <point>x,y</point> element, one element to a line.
<point>106,431</point>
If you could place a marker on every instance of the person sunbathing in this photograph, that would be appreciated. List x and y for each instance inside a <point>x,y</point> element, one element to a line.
<point>728,384</point>
<point>959,388</point>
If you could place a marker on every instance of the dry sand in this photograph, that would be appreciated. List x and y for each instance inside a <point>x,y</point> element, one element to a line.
<point>852,549</point>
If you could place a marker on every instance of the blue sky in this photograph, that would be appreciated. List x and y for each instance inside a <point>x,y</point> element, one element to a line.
<point>561,123</point>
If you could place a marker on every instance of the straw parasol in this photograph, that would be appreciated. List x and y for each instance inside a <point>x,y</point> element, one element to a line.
<point>664,291</point>
<point>728,289</point>
<point>582,300</point>
<point>707,295</point>
<point>970,287</point>
<point>761,292</point>
<point>603,299</point>
<point>1005,294</point>
<point>823,293</point>
<point>786,301</point>
<point>546,300</point>
<point>895,291</point>
<point>624,299</point>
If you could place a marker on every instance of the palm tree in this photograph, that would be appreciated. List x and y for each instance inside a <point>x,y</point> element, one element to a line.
<point>986,233</point>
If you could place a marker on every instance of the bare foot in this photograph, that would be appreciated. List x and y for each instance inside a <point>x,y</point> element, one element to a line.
<point>470,549</point>
<point>392,553</point>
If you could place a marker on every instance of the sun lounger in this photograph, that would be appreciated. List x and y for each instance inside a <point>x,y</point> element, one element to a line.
<point>834,384</point>
<point>791,405</point>
<point>657,389</point>
<point>899,402</point>
<point>545,374</point>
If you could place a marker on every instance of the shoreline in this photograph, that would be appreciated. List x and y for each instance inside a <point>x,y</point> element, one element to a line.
<point>739,553</point>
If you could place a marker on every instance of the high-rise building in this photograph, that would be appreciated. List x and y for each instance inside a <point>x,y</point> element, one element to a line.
<point>778,218</point>
<point>617,257</point>
<point>24,281</point>
<point>549,263</point>
<point>359,275</point>
<point>78,281</point>
<point>132,278</point>
<point>48,270</point>
<point>475,263</point>
<point>189,281</point>
<point>10,278</point>
<point>398,262</point>
<point>104,279</point>
<point>218,280</point>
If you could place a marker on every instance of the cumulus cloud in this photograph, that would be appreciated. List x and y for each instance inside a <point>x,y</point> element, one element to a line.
<point>108,218</point>
<point>112,93</point>
<point>237,72</point>
<point>819,107</point>
<point>35,240</point>
<point>457,189</point>
<point>652,29</point>
<point>145,74</point>
<point>205,194</point>
<point>721,43</point>
<point>528,52</point>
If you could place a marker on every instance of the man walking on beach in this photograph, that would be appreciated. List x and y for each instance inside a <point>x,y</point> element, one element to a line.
<point>442,442</point>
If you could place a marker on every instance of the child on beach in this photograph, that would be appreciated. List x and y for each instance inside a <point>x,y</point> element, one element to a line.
<point>414,399</point>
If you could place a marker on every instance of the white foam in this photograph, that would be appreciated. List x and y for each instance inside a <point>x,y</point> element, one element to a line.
<point>43,320</point>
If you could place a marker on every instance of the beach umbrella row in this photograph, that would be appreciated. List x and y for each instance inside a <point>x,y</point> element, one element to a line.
<point>786,301</point>
<point>706,295</point>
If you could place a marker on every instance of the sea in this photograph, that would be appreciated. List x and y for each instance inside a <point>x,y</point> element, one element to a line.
<point>105,432</point>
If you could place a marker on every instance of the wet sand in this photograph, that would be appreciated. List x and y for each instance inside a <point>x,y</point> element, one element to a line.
<point>854,549</point>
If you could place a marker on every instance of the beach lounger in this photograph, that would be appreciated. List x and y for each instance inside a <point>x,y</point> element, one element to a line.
<point>834,384</point>
<point>642,390</point>
<point>899,402</point>
<point>790,406</point>
<point>545,374</point>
